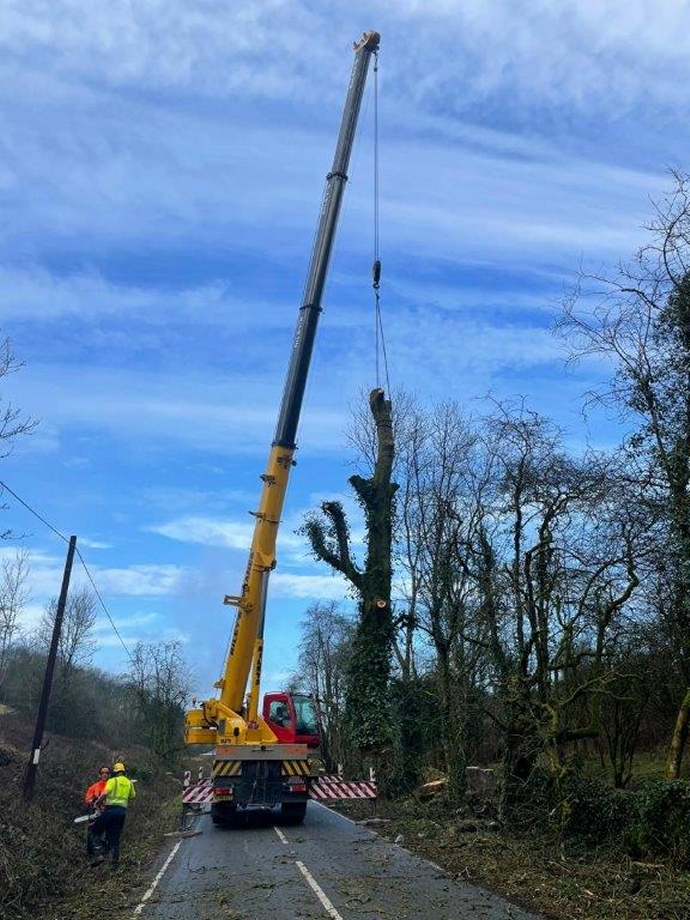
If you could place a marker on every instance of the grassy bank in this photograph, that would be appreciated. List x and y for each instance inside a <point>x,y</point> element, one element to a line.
<point>563,881</point>
<point>43,866</point>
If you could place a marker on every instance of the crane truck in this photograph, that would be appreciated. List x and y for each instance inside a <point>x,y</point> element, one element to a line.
<point>261,758</point>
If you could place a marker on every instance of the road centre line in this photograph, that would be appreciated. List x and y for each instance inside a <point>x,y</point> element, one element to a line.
<point>140,906</point>
<point>313,884</point>
<point>280,834</point>
<point>318,891</point>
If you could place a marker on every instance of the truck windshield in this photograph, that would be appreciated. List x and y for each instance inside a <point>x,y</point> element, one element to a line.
<point>306,720</point>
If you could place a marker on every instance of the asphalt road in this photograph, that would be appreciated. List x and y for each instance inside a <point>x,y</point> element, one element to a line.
<point>327,867</point>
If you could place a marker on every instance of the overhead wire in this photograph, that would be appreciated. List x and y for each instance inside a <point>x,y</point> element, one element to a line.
<point>81,559</point>
<point>102,603</point>
<point>32,511</point>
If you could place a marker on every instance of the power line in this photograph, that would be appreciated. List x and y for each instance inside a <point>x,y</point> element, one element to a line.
<point>81,559</point>
<point>35,513</point>
<point>105,609</point>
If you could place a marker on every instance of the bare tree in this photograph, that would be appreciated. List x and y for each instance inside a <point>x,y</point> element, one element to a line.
<point>12,423</point>
<point>439,515</point>
<point>13,597</point>
<point>325,644</point>
<point>640,320</point>
<point>557,553</point>
<point>629,690</point>
<point>161,681</point>
<point>76,646</point>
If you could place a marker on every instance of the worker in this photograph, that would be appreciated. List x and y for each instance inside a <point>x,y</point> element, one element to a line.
<point>282,716</point>
<point>118,793</point>
<point>96,828</point>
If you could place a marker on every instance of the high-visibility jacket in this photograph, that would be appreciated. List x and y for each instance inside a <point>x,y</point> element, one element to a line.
<point>94,790</point>
<point>119,791</point>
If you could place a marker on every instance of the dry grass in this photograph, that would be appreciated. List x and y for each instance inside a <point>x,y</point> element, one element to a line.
<point>540,873</point>
<point>43,866</point>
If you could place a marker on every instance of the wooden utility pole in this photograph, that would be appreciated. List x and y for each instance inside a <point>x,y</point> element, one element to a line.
<point>32,767</point>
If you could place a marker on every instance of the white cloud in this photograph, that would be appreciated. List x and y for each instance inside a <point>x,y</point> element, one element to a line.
<point>316,587</point>
<point>30,617</point>
<point>207,531</point>
<point>148,406</point>
<point>94,544</point>
<point>143,620</point>
<point>214,532</point>
<point>33,291</point>
<point>546,52</point>
<point>46,571</point>
<point>140,580</point>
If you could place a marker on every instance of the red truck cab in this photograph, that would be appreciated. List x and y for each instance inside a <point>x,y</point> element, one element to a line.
<point>293,717</point>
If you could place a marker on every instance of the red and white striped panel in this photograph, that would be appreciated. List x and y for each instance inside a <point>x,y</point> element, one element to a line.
<point>199,794</point>
<point>335,787</point>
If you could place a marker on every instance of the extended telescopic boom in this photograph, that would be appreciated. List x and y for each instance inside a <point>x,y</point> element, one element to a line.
<point>225,720</point>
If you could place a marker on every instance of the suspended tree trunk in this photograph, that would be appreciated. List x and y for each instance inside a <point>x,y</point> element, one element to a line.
<point>368,672</point>
<point>680,737</point>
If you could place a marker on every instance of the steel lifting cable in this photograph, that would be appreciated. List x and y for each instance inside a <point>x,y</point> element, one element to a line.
<point>376,269</point>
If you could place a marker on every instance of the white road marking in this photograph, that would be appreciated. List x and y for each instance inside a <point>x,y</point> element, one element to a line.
<point>331,811</point>
<point>314,885</point>
<point>318,891</point>
<point>280,834</point>
<point>140,906</point>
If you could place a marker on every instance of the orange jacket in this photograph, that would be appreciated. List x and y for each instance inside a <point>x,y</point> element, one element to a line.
<point>94,790</point>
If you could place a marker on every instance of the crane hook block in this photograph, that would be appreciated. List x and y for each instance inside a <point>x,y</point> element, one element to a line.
<point>376,272</point>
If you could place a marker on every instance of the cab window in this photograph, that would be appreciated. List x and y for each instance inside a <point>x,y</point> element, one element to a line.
<point>279,713</point>
<point>306,719</point>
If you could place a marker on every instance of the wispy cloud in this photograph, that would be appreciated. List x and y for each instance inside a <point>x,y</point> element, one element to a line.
<point>94,544</point>
<point>314,587</point>
<point>46,570</point>
<point>35,292</point>
<point>141,580</point>
<point>160,175</point>
<point>207,531</point>
<point>549,52</point>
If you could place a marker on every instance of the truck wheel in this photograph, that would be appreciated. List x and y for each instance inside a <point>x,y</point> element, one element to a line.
<point>222,814</point>
<point>293,812</point>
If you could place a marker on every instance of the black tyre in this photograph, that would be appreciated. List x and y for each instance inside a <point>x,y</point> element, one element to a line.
<point>222,814</point>
<point>293,812</point>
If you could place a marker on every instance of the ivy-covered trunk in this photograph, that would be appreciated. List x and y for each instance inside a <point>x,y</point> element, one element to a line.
<point>367,698</point>
<point>522,746</point>
<point>453,712</point>
<point>368,672</point>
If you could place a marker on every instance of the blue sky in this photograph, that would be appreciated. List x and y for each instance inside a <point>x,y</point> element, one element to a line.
<point>161,171</point>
